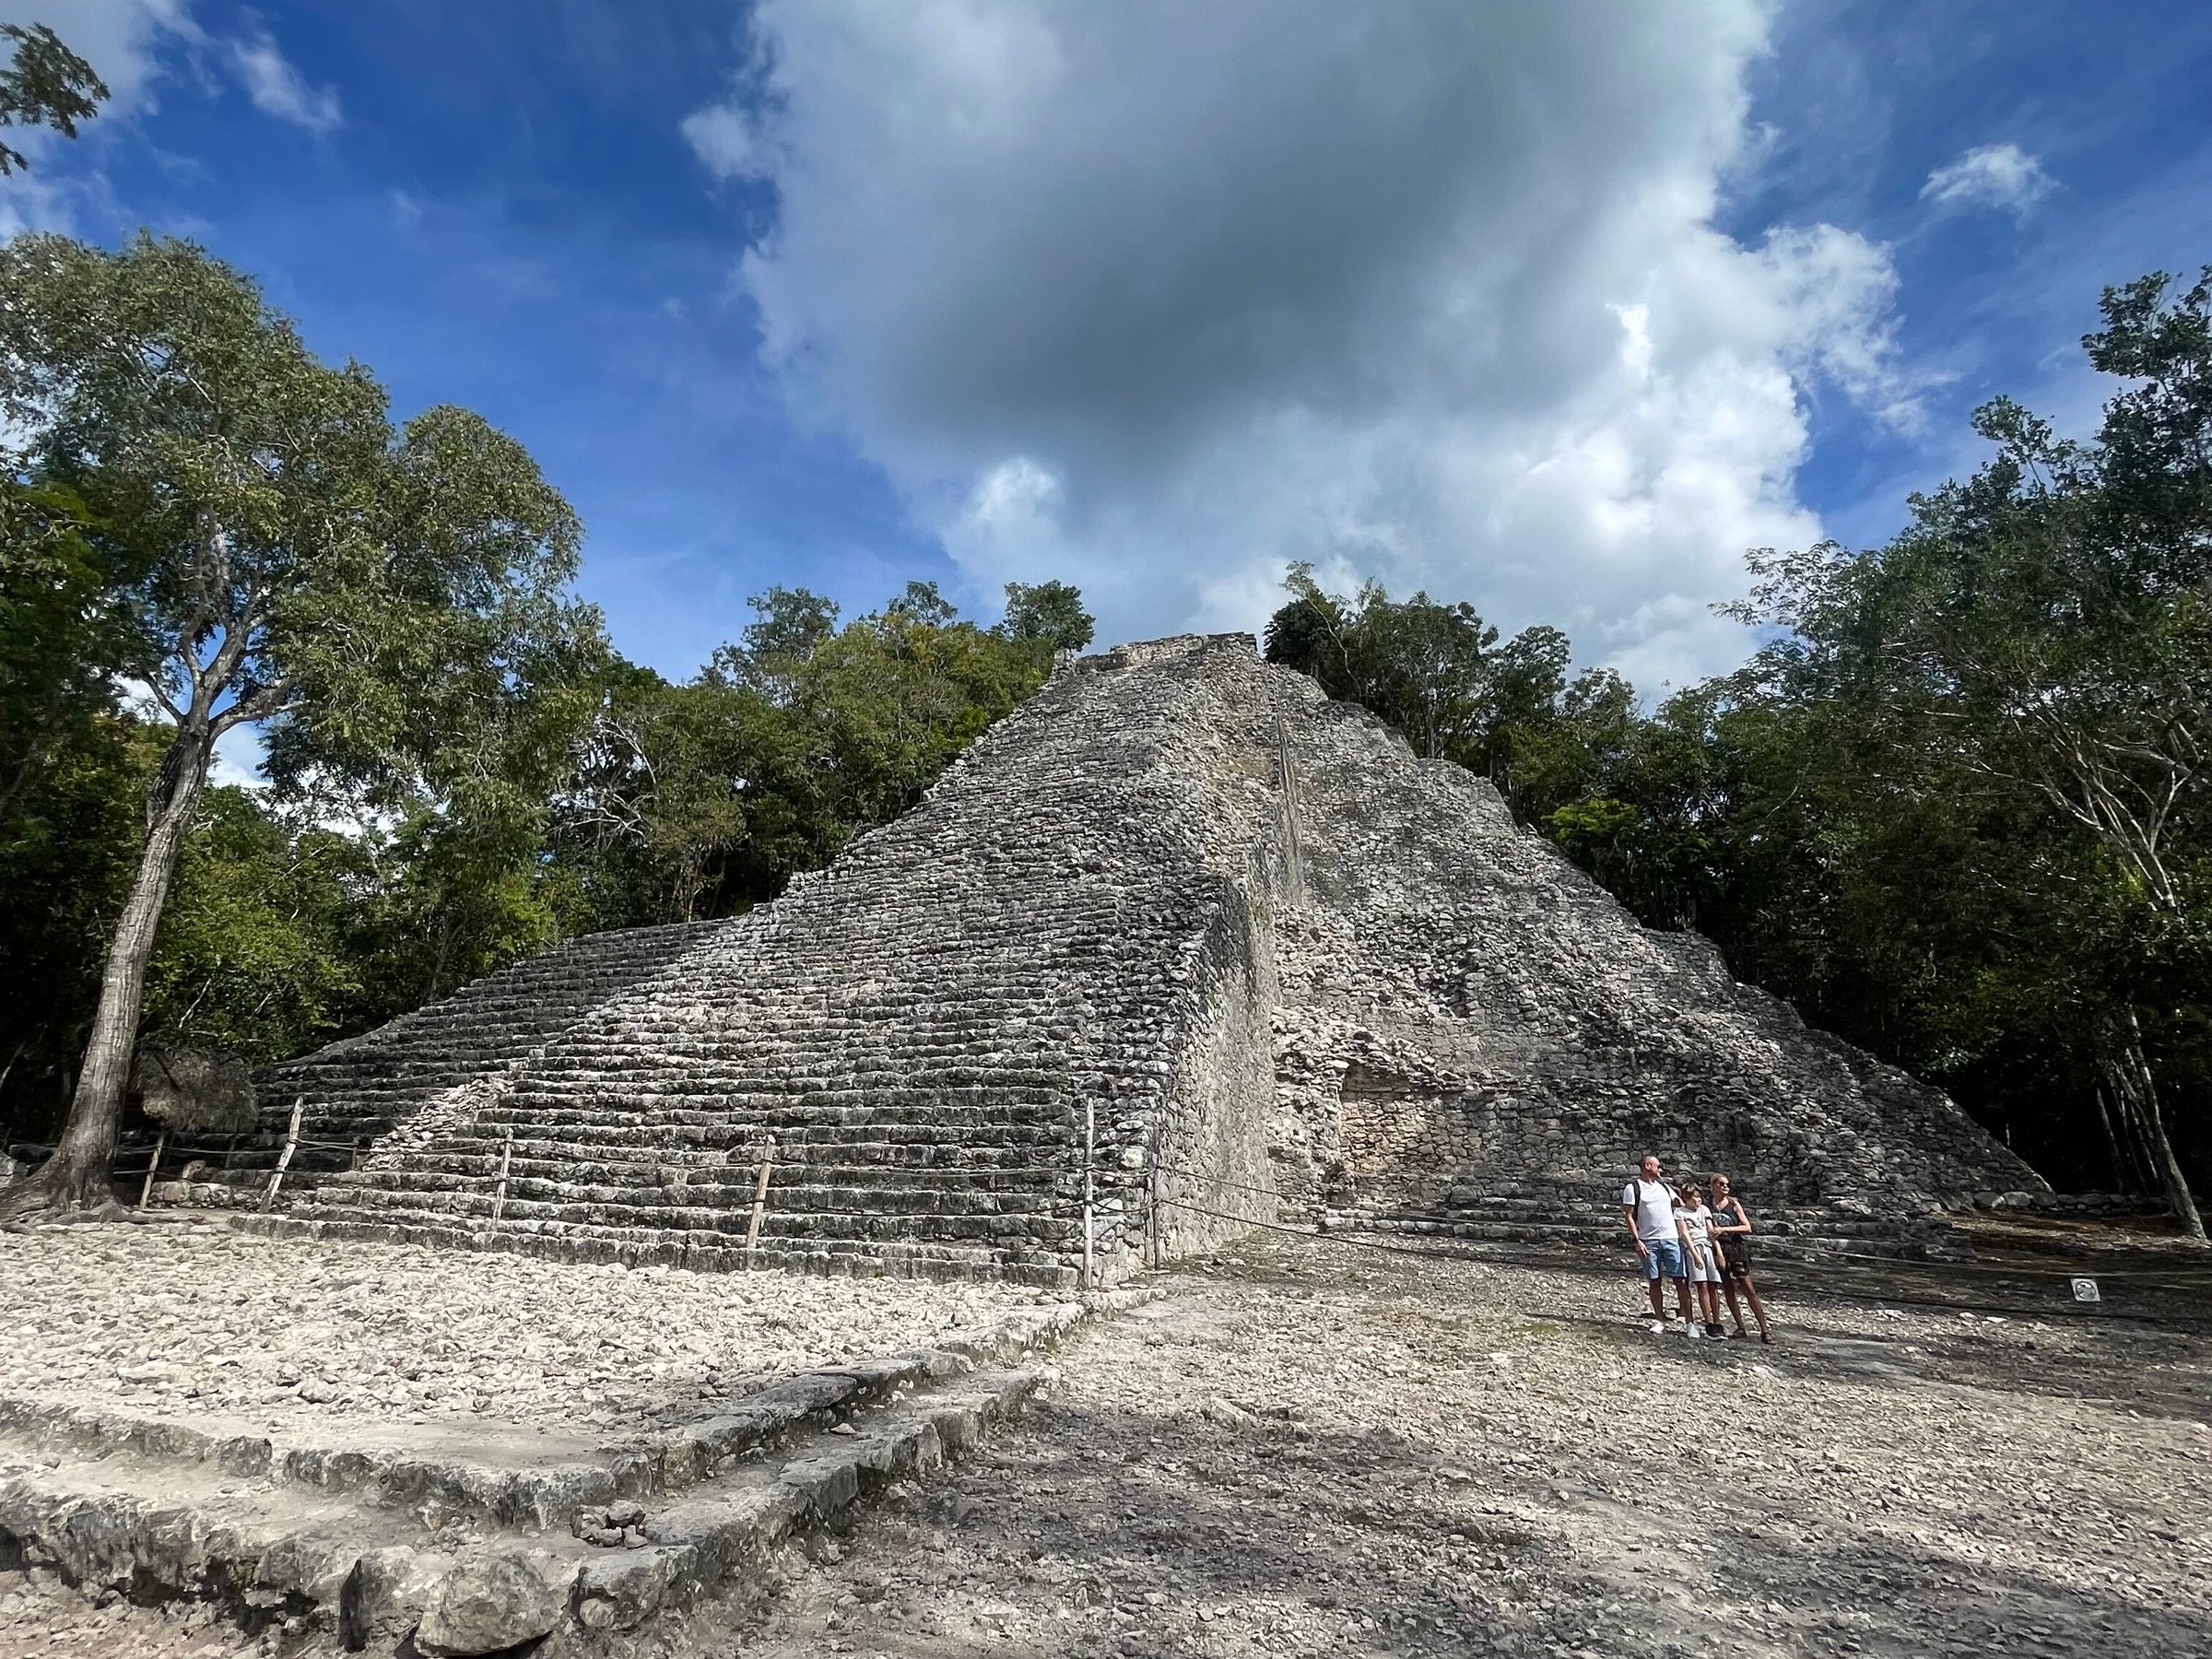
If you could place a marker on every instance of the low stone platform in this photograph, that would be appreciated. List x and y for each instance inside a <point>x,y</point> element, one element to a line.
<point>187,1414</point>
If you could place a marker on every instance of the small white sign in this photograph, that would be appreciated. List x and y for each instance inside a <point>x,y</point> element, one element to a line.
<point>2085,1291</point>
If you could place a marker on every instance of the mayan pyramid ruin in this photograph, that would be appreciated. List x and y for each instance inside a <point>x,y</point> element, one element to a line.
<point>1181,934</point>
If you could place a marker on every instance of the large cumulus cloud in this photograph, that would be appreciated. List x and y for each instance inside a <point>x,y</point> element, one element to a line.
<point>1158,297</point>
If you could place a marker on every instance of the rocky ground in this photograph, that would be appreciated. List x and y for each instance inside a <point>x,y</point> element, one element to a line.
<point>1318,1449</point>
<point>1310,1447</point>
<point>187,1318</point>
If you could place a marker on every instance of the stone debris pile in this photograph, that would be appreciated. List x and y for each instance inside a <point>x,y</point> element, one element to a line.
<point>1181,945</point>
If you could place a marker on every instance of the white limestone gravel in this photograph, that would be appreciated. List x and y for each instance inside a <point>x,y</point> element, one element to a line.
<point>1309,1449</point>
<point>187,1318</point>
<point>1315,1449</point>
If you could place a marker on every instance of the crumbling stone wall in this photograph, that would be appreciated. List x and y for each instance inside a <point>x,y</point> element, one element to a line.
<point>1179,909</point>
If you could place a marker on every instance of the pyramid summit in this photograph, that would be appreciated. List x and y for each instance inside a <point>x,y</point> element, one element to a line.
<point>1181,945</point>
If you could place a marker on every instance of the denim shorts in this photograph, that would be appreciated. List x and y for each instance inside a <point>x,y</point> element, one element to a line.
<point>1663,1258</point>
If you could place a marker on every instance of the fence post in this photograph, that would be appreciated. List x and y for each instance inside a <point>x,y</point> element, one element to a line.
<point>1090,1139</point>
<point>752,1227</point>
<point>499,1197</point>
<point>1152,1237</point>
<point>145,1191</point>
<point>284,1159</point>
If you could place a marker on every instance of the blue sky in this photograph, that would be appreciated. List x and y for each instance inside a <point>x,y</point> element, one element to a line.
<point>1556,312</point>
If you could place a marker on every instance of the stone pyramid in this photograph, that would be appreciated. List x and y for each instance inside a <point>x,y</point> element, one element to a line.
<point>1181,934</point>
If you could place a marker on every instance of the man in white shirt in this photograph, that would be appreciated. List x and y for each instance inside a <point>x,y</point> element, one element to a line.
<point>1648,1203</point>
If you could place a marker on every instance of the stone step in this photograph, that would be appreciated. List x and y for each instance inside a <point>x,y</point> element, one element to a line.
<point>713,1252</point>
<point>828,1211</point>
<point>869,1186</point>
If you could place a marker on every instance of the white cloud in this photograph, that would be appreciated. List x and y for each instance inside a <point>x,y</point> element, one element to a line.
<point>238,754</point>
<point>277,88</point>
<point>1995,175</point>
<point>728,143</point>
<point>1158,297</point>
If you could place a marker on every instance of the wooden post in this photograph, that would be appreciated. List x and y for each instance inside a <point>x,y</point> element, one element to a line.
<point>752,1227</point>
<point>284,1159</point>
<point>1152,1219</point>
<point>498,1196</point>
<point>145,1191</point>
<point>1090,1139</point>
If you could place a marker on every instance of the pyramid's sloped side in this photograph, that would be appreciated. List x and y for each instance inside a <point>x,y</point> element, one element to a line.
<point>1473,1030</point>
<point>1055,962</point>
<point>356,1090</point>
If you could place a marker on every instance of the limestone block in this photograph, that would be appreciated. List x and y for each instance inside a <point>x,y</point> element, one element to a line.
<point>490,1602</point>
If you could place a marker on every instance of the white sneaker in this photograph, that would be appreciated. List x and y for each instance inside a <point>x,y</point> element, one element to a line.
<point>1691,1331</point>
<point>1658,1327</point>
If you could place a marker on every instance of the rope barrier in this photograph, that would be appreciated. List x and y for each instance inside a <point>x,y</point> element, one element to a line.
<point>1218,1180</point>
<point>1793,1285</point>
<point>1314,1235</point>
<point>1829,1252</point>
<point>1318,1235</point>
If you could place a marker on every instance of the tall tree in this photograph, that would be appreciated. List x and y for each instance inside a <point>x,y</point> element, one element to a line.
<point>390,605</point>
<point>2045,629</point>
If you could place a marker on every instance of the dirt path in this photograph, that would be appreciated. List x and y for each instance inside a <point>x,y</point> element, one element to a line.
<point>1313,1450</point>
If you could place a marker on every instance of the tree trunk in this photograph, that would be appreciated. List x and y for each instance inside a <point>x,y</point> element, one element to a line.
<point>2123,1170</point>
<point>79,1175</point>
<point>2143,1092</point>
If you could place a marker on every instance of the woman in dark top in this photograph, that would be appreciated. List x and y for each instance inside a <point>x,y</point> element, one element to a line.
<point>1731,1228</point>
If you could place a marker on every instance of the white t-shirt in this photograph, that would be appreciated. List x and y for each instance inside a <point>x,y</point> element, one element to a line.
<point>1694,1223</point>
<point>1655,1206</point>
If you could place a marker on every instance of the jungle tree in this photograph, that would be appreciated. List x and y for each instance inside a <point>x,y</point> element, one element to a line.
<point>388,606</point>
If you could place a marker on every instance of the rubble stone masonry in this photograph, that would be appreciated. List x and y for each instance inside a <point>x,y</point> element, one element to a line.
<point>1181,911</point>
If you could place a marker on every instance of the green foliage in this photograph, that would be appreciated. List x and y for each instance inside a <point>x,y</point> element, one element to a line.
<point>57,626</point>
<point>252,956</point>
<point>703,798</point>
<point>1048,613</point>
<point>45,84</point>
<point>69,838</point>
<point>1427,668</point>
<point>2025,673</point>
<point>391,602</point>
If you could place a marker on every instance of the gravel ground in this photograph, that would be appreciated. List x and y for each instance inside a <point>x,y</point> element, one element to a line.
<point>189,1318</point>
<point>40,1615</point>
<point>1317,1451</point>
<point>1309,1449</point>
